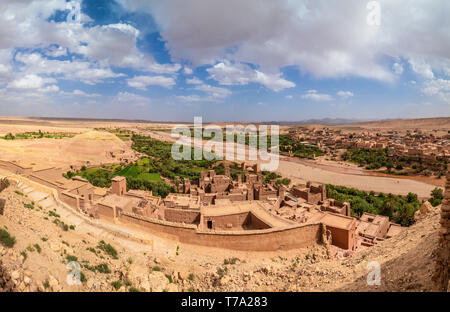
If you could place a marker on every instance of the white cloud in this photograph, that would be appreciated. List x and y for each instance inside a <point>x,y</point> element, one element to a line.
<point>87,72</point>
<point>314,96</point>
<point>324,38</point>
<point>187,70</point>
<point>289,97</point>
<point>191,98</point>
<point>227,73</point>
<point>27,82</point>
<point>422,68</point>
<point>214,92</point>
<point>345,94</point>
<point>397,68</point>
<point>194,80</point>
<point>142,82</point>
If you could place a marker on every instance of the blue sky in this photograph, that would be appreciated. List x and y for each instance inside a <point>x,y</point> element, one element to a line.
<point>225,60</point>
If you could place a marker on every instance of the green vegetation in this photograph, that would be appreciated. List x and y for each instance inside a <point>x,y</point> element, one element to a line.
<point>287,144</point>
<point>161,160</point>
<point>437,195</point>
<point>46,284</point>
<point>156,268</point>
<point>124,135</point>
<point>19,193</point>
<point>28,206</point>
<point>71,258</point>
<point>371,158</point>
<point>36,135</point>
<point>235,169</point>
<point>108,249</point>
<point>230,261</point>
<point>133,289</point>
<point>6,239</point>
<point>38,248</point>
<point>399,208</point>
<point>82,277</point>
<point>116,285</point>
<point>103,268</point>
<point>191,276</point>
<point>169,277</point>
<point>222,271</point>
<point>270,176</point>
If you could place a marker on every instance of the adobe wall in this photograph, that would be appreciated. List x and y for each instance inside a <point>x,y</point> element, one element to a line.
<point>300,236</point>
<point>12,167</point>
<point>237,220</point>
<point>69,199</point>
<point>106,211</point>
<point>257,223</point>
<point>45,182</point>
<point>4,183</point>
<point>442,266</point>
<point>181,215</point>
<point>340,237</point>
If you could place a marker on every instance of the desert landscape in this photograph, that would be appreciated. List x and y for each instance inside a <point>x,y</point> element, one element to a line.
<point>233,154</point>
<point>119,256</point>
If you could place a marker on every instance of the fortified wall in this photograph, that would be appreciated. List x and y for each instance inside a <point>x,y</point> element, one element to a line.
<point>441,275</point>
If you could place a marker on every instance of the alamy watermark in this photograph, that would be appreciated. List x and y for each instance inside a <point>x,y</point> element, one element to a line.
<point>240,143</point>
<point>374,15</point>
<point>374,274</point>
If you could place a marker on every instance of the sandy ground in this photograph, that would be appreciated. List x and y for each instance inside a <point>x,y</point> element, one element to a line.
<point>93,146</point>
<point>298,171</point>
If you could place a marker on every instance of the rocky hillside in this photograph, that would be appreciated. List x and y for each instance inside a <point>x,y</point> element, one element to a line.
<point>37,243</point>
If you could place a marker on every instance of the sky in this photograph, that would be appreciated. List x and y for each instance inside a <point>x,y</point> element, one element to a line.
<point>234,60</point>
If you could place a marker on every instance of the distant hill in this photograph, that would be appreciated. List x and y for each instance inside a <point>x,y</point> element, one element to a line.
<point>438,123</point>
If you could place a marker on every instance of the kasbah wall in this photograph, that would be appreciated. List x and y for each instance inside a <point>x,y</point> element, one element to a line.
<point>300,236</point>
<point>441,276</point>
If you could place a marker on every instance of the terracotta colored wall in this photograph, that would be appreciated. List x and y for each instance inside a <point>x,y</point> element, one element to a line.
<point>237,220</point>
<point>182,215</point>
<point>69,200</point>
<point>300,236</point>
<point>341,238</point>
<point>257,223</point>
<point>105,211</point>
<point>45,182</point>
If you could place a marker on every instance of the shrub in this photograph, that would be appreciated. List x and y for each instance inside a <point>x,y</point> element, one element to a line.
<point>71,258</point>
<point>108,249</point>
<point>82,277</point>
<point>437,194</point>
<point>116,285</point>
<point>169,277</point>
<point>103,268</point>
<point>230,261</point>
<point>6,239</point>
<point>191,276</point>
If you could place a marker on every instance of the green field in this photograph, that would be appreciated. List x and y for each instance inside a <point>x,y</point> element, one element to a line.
<point>36,135</point>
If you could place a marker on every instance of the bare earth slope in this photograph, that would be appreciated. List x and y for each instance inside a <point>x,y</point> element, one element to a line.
<point>406,260</point>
